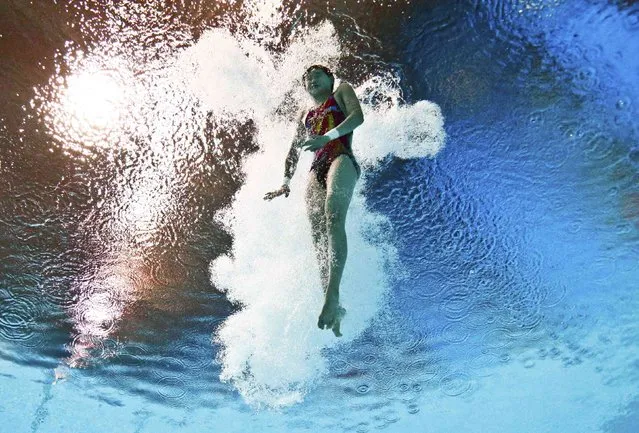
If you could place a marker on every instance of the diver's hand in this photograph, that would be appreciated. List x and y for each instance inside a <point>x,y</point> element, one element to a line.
<point>283,190</point>
<point>331,316</point>
<point>315,142</point>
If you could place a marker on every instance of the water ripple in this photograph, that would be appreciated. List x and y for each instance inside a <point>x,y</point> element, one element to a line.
<point>18,319</point>
<point>455,384</point>
<point>171,387</point>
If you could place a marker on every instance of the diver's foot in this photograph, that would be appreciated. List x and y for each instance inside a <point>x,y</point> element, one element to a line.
<point>339,315</point>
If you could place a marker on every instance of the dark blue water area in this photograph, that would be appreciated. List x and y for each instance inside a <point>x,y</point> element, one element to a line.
<point>526,211</point>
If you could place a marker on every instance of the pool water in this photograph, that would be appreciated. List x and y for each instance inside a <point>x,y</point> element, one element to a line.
<point>491,282</point>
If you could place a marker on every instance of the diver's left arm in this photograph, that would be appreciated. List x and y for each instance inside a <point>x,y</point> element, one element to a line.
<point>354,116</point>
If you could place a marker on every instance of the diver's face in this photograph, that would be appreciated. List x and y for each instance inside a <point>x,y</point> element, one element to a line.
<point>317,82</point>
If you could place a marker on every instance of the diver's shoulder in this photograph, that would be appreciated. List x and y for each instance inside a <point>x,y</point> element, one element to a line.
<point>344,86</point>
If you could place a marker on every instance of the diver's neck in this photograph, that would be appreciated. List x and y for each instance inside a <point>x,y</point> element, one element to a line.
<point>321,98</point>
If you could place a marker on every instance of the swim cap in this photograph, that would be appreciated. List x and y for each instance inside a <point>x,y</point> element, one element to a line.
<point>321,67</point>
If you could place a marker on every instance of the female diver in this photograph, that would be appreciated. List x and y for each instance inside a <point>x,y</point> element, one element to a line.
<point>327,130</point>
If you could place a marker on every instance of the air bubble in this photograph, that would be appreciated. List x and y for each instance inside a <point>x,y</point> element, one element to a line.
<point>363,389</point>
<point>622,103</point>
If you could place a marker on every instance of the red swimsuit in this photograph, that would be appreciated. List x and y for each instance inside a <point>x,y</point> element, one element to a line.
<point>319,121</point>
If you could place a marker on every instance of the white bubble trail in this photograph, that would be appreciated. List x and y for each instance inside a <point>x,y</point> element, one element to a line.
<point>272,347</point>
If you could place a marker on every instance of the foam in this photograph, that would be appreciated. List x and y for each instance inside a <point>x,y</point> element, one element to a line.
<point>272,348</point>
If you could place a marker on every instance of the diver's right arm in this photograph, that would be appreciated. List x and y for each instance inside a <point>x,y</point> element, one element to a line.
<point>290,164</point>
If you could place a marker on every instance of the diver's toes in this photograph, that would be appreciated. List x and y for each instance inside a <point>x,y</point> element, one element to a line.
<point>322,324</point>
<point>336,331</point>
<point>330,324</point>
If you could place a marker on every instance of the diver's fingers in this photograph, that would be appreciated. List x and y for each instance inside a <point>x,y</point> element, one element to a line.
<point>273,194</point>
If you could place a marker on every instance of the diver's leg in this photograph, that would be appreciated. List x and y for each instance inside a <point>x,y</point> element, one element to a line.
<point>341,180</point>
<point>315,200</point>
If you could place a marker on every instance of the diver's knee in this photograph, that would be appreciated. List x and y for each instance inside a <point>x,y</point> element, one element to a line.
<point>335,219</point>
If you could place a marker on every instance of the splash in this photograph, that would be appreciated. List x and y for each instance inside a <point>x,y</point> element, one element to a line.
<point>272,348</point>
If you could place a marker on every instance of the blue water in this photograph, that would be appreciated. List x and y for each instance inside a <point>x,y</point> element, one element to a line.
<point>514,304</point>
